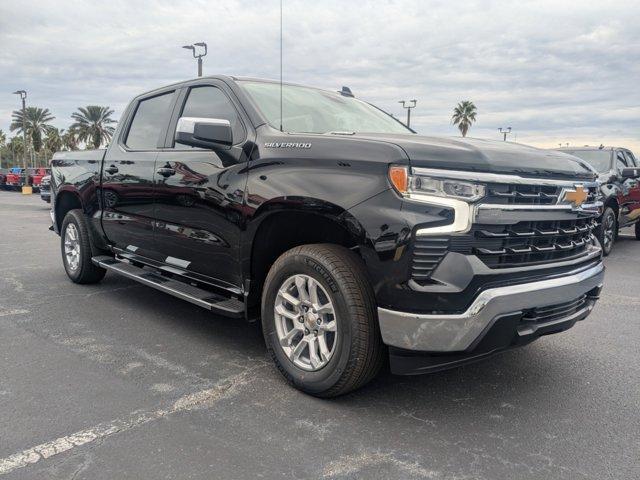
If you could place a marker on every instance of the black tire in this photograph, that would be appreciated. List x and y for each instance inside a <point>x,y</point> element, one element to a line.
<point>607,231</point>
<point>638,231</point>
<point>358,352</point>
<point>85,271</point>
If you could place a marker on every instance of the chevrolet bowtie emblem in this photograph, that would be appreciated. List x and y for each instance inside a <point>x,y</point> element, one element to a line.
<point>577,196</point>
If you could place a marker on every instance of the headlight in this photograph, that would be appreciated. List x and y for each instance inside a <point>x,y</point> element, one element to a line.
<point>414,186</point>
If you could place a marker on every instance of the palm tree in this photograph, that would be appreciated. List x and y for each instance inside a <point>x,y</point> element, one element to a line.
<point>3,142</point>
<point>93,124</point>
<point>53,142</point>
<point>37,124</point>
<point>16,146</point>
<point>464,115</point>
<point>70,140</point>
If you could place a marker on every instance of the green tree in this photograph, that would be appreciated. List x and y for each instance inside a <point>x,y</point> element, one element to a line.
<point>16,147</point>
<point>93,125</point>
<point>464,114</point>
<point>53,142</point>
<point>37,124</point>
<point>3,146</point>
<point>70,140</point>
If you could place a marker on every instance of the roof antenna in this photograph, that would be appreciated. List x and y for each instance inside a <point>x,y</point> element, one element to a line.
<point>281,129</point>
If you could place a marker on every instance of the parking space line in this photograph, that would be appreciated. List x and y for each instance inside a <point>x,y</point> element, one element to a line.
<point>200,399</point>
<point>19,311</point>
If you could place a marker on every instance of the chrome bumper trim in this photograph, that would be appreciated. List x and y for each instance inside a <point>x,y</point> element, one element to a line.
<point>456,332</point>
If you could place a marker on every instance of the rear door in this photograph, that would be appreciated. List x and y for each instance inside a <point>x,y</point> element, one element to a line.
<point>625,199</point>
<point>128,174</point>
<point>633,186</point>
<point>200,193</point>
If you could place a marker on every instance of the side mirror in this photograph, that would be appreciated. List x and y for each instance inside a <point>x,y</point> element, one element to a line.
<point>630,172</point>
<point>212,133</point>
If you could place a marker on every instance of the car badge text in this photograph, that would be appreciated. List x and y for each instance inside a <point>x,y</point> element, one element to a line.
<point>287,145</point>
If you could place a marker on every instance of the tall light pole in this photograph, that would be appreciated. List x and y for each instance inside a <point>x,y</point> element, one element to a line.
<point>504,133</point>
<point>199,55</point>
<point>411,104</point>
<point>23,96</point>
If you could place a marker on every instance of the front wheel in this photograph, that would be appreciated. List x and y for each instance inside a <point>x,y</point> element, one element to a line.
<point>320,321</point>
<point>76,249</point>
<point>608,230</point>
<point>638,231</point>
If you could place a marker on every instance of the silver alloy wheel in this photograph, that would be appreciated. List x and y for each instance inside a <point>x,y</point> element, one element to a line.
<point>608,231</point>
<point>72,247</point>
<point>305,322</point>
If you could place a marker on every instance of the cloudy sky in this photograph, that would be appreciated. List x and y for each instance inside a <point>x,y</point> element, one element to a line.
<point>555,71</point>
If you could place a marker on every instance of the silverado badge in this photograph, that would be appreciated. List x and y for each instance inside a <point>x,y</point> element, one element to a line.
<point>287,145</point>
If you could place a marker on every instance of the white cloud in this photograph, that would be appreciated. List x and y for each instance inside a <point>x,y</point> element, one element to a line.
<point>554,71</point>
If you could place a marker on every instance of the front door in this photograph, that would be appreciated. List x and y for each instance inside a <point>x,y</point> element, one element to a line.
<point>200,193</point>
<point>630,197</point>
<point>128,174</point>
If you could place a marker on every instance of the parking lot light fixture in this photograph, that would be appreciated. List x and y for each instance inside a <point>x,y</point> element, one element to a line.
<point>197,55</point>
<point>26,190</point>
<point>504,133</point>
<point>408,105</point>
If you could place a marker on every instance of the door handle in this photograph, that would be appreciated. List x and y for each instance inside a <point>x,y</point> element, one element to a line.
<point>166,171</point>
<point>111,170</point>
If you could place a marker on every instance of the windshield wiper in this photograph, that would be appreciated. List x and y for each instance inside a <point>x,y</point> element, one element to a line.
<point>341,133</point>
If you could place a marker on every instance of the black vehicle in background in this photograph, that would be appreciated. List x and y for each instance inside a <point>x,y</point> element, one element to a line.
<point>45,188</point>
<point>618,172</point>
<point>347,234</point>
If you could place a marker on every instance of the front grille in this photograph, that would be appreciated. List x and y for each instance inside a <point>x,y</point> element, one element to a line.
<point>555,312</point>
<point>520,194</point>
<point>428,252</point>
<point>526,243</point>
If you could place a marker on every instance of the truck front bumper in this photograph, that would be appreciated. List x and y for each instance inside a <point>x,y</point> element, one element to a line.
<point>534,309</point>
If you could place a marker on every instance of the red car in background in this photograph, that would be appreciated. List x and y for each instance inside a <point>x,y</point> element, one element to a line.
<point>14,179</point>
<point>35,176</point>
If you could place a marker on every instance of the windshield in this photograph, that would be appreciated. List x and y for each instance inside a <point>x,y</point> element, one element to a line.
<point>598,159</point>
<point>310,110</point>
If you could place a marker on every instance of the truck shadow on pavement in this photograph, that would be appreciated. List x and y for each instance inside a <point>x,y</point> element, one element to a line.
<point>497,383</point>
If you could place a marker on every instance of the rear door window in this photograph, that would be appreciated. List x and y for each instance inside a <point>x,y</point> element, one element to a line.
<point>149,122</point>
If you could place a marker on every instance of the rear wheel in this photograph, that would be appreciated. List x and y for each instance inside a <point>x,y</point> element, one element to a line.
<point>75,244</point>
<point>608,230</point>
<point>319,320</point>
<point>638,231</point>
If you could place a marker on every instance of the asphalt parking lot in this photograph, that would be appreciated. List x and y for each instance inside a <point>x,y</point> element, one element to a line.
<point>117,380</point>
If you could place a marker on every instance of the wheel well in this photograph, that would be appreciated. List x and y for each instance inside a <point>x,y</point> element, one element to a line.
<point>613,203</point>
<point>65,201</point>
<point>283,231</point>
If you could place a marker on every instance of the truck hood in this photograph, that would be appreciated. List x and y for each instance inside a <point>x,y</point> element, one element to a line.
<point>472,154</point>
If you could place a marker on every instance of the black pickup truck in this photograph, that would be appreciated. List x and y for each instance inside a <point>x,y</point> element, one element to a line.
<point>348,235</point>
<point>618,173</point>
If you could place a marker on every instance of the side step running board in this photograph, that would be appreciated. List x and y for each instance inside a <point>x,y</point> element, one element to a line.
<point>216,303</point>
